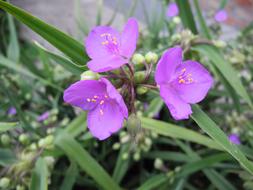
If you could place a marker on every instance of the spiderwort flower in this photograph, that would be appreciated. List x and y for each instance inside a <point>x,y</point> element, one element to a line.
<point>234,138</point>
<point>181,82</point>
<point>110,49</point>
<point>172,10</point>
<point>12,111</point>
<point>43,116</point>
<point>221,16</point>
<point>106,107</point>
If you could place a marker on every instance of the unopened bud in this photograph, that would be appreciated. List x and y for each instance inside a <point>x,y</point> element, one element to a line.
<point>5,139</point>
<point>20,187</point>
<point>139,77</point>
<point>125,156</point>
<point>4,182</point>
<point>89,75</point>
<point>136,156</point>
<point>116,146</point>
<point>23,139</point>
<point>176,37</point>
<point>158,164</point>
<point>133,125</point>
<point>141,90</point>
<point>151,57</point>
<point>49,140</point>
<point>138,59</point>
<point>176,20</point>
<point>49,161</point>
<point>219,43</point>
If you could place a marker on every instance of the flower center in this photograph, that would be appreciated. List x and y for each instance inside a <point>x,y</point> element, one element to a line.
<point>111,42</point>
<point>99,100</point>
<point>185,77</point>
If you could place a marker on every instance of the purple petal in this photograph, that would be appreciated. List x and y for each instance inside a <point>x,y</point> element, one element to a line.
<point>233,138</point>
<point>172,10</point>
<point>107,63</point>
<point>221,16</point>
<point>167,65</point>
<point>83,93</point>
<point>178,108</point>
<point>12,111</point>
<point>105,119</point>
<point>129,38</point>
<point>43,116</point>
<point>114,94</point>
<point>102,41</point>
<point>193,82</point>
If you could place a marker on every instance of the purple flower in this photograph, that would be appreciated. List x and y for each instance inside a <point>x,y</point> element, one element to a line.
<point>12,111</point>
<point>172,10</point>
<point>110,49</point>
<point>106,107</point>
<point>233,138</point>
<point>181,82</point>
<point>43,116</point>
<point>221,16</point>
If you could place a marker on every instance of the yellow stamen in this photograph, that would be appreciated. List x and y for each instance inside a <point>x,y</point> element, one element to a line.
<point>88,100</point>
<point>106,96</point>
<point>101,102</point>
<point>101,112</point>
<point>181,81</point>
<point>95,96</point>
<point>93,100</point>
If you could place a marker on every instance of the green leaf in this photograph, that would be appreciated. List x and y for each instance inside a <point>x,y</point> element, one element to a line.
<point>209,126</point>
<point>153,182</point>
<point>13,50</point>
<point>60,40</point>
<point>7,157</point>
<point>75,152</point>
<point>4,126</point>
<point>225,69</point>
<point>70,177</point>
<point>40,176</point>
<point>186,15</point>
<point>174,131</point>
<point>77,125</point>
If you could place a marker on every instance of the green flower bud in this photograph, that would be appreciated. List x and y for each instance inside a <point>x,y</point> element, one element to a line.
<point>49,140</point>
<point>176,20</point>
<point>124,139</point>
<point>4,182</point>
<point>49,161</point>
<point>33,146</point>
<point>139,76</point>
<point>158,164</point>
<point>138,59</point>
<point>5,139</point>
<point>125,156</point>
<point>41,143</point>
<point>151,57</point>
<point>24,139</point>
<point>219,43</point>
<point>137,156</point>
<point>141,90</point>
<point>148,141</point>
<point>116,146</point>
<point>133,125</point>
<point>89,75</point>
<point>176,37</point>
<point>20,187</point>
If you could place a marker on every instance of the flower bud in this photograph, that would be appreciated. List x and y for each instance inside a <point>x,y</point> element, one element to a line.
<point>151,57</point>
<point>125,156</point>
<point>20,187</point>
<point>158,164</point>
<point>176,37</point>
<point>116,146</point>
<point>133,125</point>
<point>4,182</point>
<point>141,90</point>
<point>138,59</point>
<point>89,75</point>
<point>5,139</point>
<point>219,43</point>
<point>49,140</point>
<point>139,76</point>
<point>23,139</point>
<point>176,20</point>
<point>136,156</point>
<point>49,161</point>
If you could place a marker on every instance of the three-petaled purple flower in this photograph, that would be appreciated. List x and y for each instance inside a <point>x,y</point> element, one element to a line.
<point>181,82</point>
<point>234,138</point>
<point>172,10</point>
<point>12,111</point>
<point>110,49</point>
<point>221,15</point>
<point>43,116</point>
<point>106,107</point>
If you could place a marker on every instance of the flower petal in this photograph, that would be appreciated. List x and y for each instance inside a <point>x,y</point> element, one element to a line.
<point>105,119</point>
<point>107,63</point>
<point>81,93</point>
<point>221,16</point>
<point>114,94</point>
<point>95,42</point>
<point>172,10</point>
<point>201,82</point>
<point>129,38</point>
<point>168,64</point>
<point>178,108</point>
